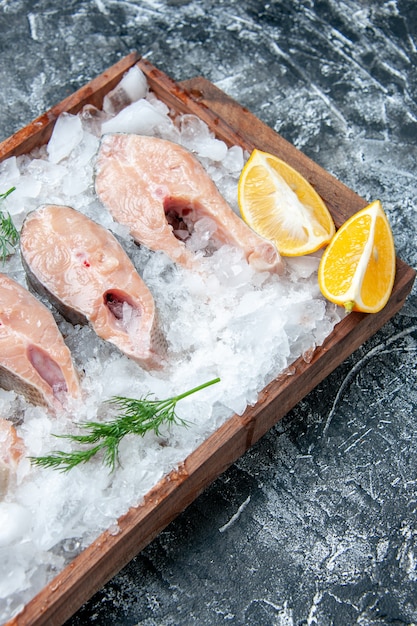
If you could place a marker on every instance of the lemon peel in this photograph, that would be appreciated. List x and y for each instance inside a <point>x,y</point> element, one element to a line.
<point>279,204</point>
<point>357,269</point>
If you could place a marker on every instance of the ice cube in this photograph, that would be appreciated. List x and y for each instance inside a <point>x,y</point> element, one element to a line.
<point>66,135</point>
<point>9,174</point>
<point>139,117</point>
<point>131,88</point>
<point>196,136</point>
<point>14,523</point>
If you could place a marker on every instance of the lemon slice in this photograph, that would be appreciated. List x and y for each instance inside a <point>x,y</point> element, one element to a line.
<point>280,205</point>
<point>357,269</point>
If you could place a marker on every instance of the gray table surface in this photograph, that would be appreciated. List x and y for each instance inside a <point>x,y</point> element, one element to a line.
<point>316,524</point>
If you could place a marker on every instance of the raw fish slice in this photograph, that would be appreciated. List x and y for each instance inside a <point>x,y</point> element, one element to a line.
<point>88,276</point>
<point>34,359</point>
<point>11,450</point>
<point>144,181</point>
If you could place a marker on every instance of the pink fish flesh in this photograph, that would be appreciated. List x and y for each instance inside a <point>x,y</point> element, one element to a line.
<point>88,277</point>
<point>34,359</point>
<point>149,184</point>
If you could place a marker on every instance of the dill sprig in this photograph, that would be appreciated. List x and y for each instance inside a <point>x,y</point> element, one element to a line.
<point>137,417</point>
<point>9,236</point>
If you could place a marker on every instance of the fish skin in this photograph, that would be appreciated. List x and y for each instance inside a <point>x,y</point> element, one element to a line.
<point>140,179</point>
<point>11,445</point>
<point>34,359</point>
<point>12,449</point>
<point>88,276</point>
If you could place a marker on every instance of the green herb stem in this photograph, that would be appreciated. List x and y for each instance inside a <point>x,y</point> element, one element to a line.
<point>4,195</point>
<point>137,417</point>
<point>9,236</point>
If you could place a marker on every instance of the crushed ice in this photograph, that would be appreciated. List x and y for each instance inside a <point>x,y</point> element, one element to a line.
<point>243,326</point>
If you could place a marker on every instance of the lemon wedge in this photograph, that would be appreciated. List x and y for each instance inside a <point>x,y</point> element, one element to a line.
<point>279,204</point>
<point>357,269</point>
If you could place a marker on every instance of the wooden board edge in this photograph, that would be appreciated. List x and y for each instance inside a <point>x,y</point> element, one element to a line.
<point>140,525</point>
<point>236,125</point>
<point>70,589</point>
<point>39,130</point>
<point>242,127</point>
<point>210,103</point>
<point>341,200</point>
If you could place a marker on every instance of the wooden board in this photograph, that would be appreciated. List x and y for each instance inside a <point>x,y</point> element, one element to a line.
<point>235,125</point>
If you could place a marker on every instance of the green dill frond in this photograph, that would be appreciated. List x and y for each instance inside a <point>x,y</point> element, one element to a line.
<point>136,417</point>
<point>9,235</point>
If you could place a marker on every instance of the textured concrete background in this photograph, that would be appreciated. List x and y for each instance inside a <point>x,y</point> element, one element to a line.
<point>317,523</point>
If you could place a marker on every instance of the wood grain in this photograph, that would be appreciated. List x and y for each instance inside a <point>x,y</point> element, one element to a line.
<point>342,201</point>
<point>235,125</point>
<point>38,132</point>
